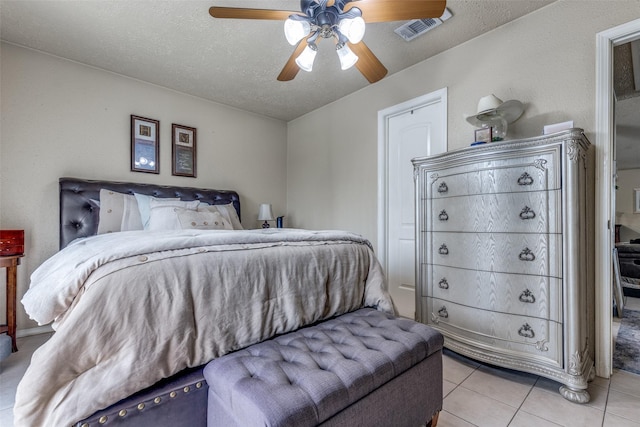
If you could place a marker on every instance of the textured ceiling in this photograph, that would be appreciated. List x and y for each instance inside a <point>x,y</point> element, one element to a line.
<point>178,45</point>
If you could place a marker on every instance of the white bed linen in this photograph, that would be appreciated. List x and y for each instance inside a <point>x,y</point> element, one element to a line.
<point>134,307</point>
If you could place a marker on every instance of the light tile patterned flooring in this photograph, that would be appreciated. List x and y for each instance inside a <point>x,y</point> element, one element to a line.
<point>475,394</point>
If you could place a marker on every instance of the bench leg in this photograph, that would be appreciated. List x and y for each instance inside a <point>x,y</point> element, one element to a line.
<point>434,420</point>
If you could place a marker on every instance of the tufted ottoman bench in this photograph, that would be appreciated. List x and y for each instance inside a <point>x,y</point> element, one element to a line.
<point>362,368</point>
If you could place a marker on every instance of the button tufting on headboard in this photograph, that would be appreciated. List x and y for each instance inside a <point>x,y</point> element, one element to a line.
<point>80,211</point>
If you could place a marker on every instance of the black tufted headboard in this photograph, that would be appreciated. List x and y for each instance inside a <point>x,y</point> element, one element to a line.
<point>79,215</point>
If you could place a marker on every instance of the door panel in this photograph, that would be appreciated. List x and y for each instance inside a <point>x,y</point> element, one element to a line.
<point>414,133</point>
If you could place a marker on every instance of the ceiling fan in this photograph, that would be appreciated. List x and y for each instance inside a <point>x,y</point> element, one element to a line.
<point>340,20</point>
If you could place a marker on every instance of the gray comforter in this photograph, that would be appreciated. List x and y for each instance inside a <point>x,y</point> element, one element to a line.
<point>132,308</point>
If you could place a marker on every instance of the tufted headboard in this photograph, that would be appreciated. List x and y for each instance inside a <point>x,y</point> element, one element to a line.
<point>79,215</point>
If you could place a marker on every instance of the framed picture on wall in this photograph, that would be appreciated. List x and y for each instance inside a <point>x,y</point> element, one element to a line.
<point>636,200</point>
<point>183,151</point>
<point>145,145</point>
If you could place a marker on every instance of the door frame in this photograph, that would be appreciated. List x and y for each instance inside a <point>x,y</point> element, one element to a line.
<point>604,132</point>
<point>438,96</point>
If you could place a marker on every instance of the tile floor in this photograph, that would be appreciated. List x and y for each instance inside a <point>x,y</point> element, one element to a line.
<point>475,394</point>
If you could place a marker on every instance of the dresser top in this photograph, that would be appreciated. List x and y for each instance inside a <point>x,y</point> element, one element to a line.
<point>574,134</point>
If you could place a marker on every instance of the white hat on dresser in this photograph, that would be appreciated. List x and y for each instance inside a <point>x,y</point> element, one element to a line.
<point>491,106</point>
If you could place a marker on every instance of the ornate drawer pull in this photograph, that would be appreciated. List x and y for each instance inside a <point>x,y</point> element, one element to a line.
<point>525,179</point>
<point>442,188</point>
<point>526,331</point>
<point>443,312</point>
<point>443,250</point>
<point>443,215</point>
<point>527,255</point>
<point>527,296</point>
<point>527,213</point>
<point>443,284</point>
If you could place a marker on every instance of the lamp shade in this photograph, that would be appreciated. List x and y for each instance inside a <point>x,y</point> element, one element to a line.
<point>265,213</point>
<point>306,58</point>
<point>353,29</point>
<point>295,30</point>
<point>347,57</point>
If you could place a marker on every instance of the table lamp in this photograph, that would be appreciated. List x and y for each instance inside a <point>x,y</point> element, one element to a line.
<point>265,214</point>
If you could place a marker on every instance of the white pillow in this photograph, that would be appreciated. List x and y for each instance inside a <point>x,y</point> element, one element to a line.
<point>112,205</point>
<point>130,215</point>
<point>227,211</point>
<point>202,220</point>
<point>163,216</point>
<point>144,207</point>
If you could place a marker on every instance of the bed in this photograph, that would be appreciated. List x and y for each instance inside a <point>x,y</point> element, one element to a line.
<point>132,308</point>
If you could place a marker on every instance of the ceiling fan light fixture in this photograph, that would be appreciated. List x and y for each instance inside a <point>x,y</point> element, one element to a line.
<point>295,30</point>
<point>347,57</point>
<point>306,58</point>
<point>352,28</point>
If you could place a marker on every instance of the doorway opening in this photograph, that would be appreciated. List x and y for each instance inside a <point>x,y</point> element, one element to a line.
<point>606,41</point>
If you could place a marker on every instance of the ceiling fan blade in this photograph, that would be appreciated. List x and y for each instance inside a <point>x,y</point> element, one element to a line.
<point>240,13</point>
<point>290,69</point>
<point>368,64</point>
<point>396,10</point>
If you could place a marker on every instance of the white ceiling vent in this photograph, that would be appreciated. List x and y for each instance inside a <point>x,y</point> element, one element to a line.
<point>417,27</point>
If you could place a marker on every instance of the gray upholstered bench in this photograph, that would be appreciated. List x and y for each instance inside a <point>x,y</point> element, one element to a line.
<point>361,368</point>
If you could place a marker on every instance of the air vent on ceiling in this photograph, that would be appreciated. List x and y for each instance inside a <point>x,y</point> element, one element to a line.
<point>417,27</point>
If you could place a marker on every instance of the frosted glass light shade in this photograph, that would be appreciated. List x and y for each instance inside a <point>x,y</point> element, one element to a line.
<point>353,29</point>
<point>294,31</point>
<point>306,58</point>
<point>347,57</point>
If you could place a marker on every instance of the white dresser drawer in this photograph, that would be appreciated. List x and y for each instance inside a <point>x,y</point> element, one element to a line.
<point>537,254</point>
<point>525,212</point>
<point>534,173</point>
<point>534,296</point>
<point>513,335</point>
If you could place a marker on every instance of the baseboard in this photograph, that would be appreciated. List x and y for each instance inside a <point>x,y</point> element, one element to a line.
<point>46,329</point>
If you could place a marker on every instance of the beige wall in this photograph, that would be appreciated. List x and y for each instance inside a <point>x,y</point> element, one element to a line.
<point>545,59</point>
<point>60,118</point>
<point>628,180</point>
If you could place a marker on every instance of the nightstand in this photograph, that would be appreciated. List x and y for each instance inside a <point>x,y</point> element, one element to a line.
<point>11,263</point>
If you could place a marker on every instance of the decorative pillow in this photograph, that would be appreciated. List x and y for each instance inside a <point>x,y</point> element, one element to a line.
<point>227,211</point>
<point>144,207</point>
<point>111,210</point>
<point>202,220</point>
<point>162,213</point>
<point>130,215</point>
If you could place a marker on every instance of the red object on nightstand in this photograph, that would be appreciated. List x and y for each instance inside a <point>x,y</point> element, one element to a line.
<point>11,250</point>
<point>11,242</point>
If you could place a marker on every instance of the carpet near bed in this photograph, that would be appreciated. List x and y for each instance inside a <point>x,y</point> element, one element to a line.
<point>626,355</point>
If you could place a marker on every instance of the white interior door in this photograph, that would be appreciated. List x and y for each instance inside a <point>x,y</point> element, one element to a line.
<point>415,132</point>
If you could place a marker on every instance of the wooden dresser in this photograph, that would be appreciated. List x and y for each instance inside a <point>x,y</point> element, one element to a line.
<point>502,251</point>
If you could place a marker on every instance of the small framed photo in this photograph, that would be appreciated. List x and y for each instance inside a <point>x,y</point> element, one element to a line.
<point>183,150</point>
<point>636,200</point>
<point>145,145</point>
<point>484,134</point>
